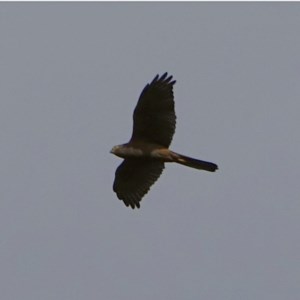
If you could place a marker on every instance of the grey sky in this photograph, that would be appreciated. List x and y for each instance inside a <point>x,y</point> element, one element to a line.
<point>70,77</point>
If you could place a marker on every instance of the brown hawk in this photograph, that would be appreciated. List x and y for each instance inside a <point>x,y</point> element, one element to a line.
<point>147,151</point>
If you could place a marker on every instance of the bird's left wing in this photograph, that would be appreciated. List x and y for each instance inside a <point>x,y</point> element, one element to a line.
<point>154,118</point>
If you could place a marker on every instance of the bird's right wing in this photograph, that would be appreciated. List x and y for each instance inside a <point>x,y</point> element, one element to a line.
<point>133,179</point>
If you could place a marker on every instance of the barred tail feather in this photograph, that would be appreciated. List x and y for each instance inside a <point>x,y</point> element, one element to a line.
<point>196,163</point>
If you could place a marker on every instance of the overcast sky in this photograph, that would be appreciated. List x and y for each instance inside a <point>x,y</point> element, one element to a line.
<point>70,77</point>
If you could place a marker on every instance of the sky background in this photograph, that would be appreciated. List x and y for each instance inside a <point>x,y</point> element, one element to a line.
<point>70,77</point>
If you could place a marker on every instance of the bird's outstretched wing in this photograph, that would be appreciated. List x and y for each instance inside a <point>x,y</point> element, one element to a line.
<point>154,118</point>
<point>133,179</point>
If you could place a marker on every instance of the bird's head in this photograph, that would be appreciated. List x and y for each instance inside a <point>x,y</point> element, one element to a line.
<point>114,149</point>
<point>117,150</point>
<point>125,151</point>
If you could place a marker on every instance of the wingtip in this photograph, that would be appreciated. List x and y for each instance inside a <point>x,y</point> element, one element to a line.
<point>164,76</point>
<point>133,205</point>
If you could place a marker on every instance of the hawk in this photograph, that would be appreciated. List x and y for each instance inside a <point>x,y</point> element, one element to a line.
<point>146,153</point>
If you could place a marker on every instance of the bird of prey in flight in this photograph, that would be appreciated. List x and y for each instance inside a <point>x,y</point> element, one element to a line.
<point>147,151</point>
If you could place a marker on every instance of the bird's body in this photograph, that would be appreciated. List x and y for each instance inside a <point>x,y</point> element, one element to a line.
<point>148,149</point>
<point>158,152</point>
